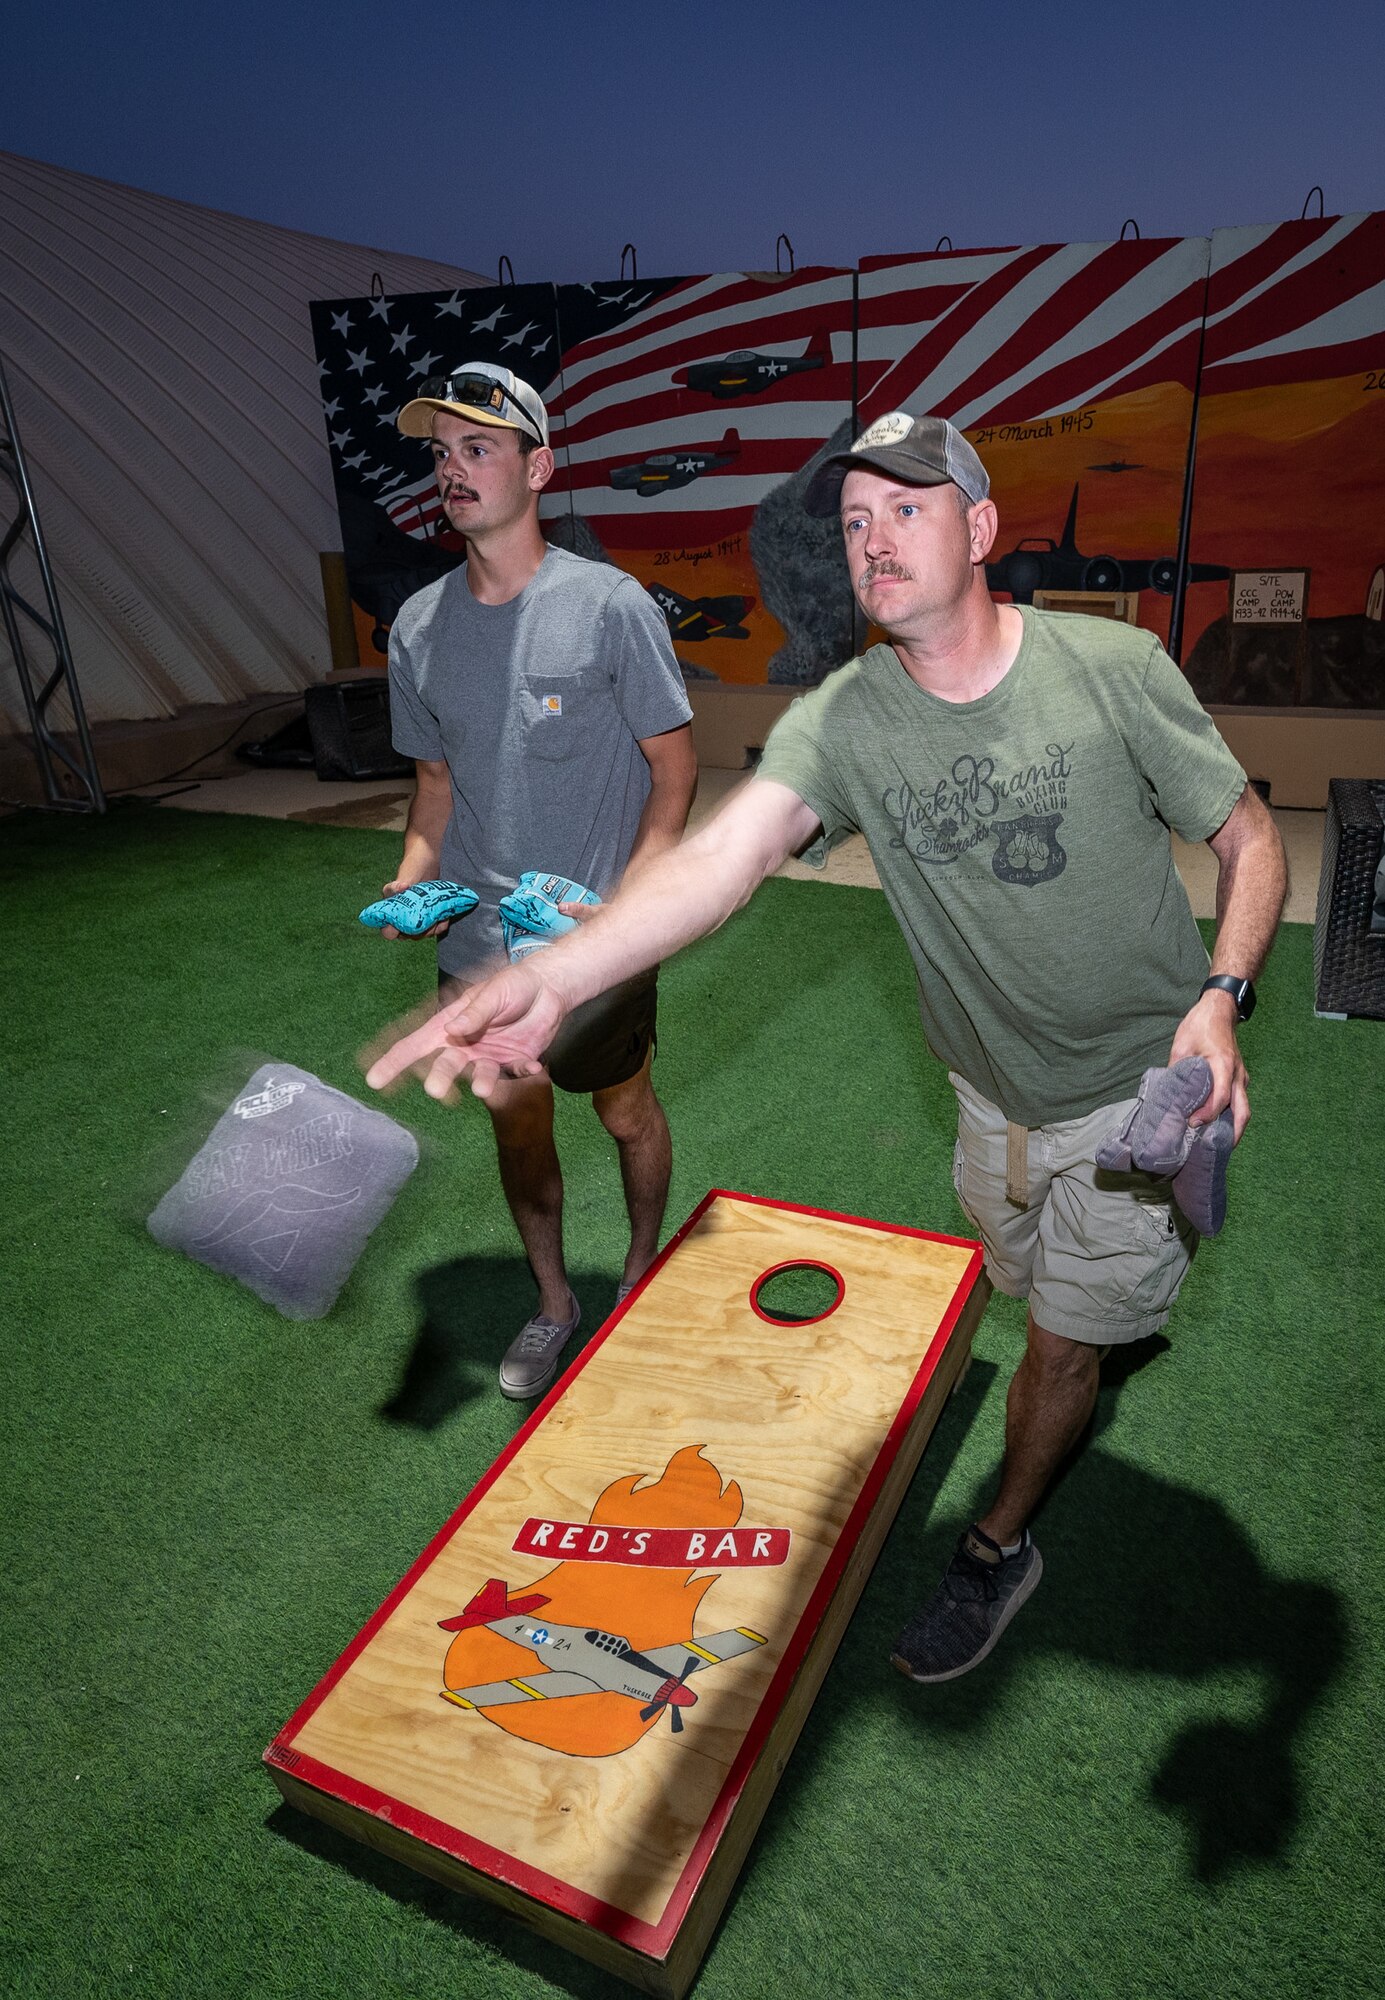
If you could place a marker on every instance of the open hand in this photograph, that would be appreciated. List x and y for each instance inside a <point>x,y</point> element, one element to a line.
<point>499,1028</point>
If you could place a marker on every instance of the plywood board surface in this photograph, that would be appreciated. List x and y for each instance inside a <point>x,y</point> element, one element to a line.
<point>569,1689</point>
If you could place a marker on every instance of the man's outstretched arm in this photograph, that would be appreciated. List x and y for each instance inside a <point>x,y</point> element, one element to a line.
<point>504,1025</point>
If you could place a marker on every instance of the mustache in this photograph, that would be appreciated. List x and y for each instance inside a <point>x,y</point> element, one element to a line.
<point>886,568</point>
<point>460,493</point>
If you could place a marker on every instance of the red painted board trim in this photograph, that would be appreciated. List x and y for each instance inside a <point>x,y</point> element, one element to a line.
<point>796,1264</point>
<point>657,1939</point>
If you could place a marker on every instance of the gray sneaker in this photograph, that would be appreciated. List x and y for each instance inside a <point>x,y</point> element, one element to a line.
<point>980,1593</point>
<point>531,1360</point>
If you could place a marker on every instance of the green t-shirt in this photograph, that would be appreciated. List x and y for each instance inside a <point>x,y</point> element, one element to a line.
<point>1022,841</point>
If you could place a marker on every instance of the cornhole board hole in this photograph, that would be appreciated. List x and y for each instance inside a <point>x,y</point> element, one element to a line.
<point>579,1700</point>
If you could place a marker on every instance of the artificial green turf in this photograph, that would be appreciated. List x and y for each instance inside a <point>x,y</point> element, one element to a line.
<point>1163,1783</point>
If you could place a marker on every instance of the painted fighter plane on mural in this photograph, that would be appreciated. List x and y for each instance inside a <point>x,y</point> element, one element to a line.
<point>664,471</point>
<point>1039,563</point>
<point>702,617</point>
<point>748,374</point>
<point>578,1661</point>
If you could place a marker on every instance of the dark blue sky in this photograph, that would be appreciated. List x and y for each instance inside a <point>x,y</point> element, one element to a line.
<point>555,133</point>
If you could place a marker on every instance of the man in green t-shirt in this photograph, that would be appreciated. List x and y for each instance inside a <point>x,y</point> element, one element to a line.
<point>1016,774</point>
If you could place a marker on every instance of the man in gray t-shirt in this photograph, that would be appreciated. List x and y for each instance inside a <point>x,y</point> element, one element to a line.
<point>540,698</point>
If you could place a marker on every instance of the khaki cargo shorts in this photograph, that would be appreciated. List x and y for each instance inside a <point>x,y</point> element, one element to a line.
<point>1099,1256</point>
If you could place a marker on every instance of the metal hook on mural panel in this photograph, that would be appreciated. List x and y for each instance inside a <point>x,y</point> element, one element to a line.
<point>500,269</point>
<point>377,285</point>
<point>940,242</point>
<point>1314,190</point>
<point>782,238</point>
<point>1129,223</point>
<point>629,251</point>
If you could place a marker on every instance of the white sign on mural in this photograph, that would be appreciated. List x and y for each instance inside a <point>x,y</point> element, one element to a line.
<point>1269,596</point>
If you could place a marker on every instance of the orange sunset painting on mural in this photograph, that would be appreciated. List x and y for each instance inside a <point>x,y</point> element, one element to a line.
<point>603,1603</point>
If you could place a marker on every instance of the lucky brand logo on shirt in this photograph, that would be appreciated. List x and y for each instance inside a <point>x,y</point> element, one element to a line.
<point>965,809</point>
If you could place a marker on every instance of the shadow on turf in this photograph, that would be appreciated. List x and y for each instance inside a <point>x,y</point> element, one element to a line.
<point>1145,1576</point>
<point>470,1309</point>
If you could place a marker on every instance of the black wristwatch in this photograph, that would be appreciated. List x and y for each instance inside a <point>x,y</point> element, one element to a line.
<point>1241,991</point>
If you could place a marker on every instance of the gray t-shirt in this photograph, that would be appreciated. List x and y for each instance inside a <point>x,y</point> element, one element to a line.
<point>537,707</point>
<point>1023,842</point>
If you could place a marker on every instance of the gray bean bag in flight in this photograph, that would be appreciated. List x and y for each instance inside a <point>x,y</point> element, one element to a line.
<point>291,1180</point>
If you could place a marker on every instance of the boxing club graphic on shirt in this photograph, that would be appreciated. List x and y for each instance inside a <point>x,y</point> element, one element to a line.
<point>1017,813</point>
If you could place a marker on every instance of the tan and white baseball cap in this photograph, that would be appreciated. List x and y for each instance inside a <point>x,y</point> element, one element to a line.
<point>483,391</point>
<point>918,451</point>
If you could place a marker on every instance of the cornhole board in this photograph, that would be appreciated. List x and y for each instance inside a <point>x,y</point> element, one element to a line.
<point>579,1700</point>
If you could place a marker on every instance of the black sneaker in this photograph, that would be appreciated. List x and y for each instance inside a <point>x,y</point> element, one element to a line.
<point>980,1593</point>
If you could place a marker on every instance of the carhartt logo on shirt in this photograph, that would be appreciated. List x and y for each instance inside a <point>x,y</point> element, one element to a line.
<point>552,704</point>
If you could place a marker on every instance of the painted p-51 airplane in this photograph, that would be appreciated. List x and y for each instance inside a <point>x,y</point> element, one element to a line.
<point>702,617</point>
<point>748,374</point>
<point>665,470</point>
<point>590,1661</point>
<point>1043,564</point>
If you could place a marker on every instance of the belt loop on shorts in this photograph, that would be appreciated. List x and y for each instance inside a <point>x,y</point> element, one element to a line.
<point>1016,1164</point>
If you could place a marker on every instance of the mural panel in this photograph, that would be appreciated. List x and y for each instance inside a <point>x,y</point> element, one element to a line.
<point>683,433</point>
<point>1290,469</point>
<point>1071,367</point>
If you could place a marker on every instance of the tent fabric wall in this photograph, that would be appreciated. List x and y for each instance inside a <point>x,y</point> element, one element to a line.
<point>161,364</point>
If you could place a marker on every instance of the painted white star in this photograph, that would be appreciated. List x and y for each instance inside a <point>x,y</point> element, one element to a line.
<point>339,438</point>
<point>514,339</point>
<point>389,418</point>
<point>380,309</point>
<point>359,362</point>
<point>359,459</point>
<point>452,305</point>
<point>324,367</point>
<point>399,342</point>
<point>688,465</point>
<point>330,409</point>
<point>540,345</point>
<point>425,364</point>
<point>373,396</point>
<point>773,368</point>
<point>378,472</point>
<point>341,323</point>
<point>610,299</point>
<point>489,325</point>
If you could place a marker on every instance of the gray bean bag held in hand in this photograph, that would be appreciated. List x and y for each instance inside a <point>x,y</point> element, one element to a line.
<point>289,1184</point>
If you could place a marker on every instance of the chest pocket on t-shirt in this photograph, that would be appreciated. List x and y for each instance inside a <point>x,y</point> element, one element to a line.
<point>556,714</point>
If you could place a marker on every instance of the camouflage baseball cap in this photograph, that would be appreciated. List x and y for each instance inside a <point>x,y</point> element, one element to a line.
<point>918,451</point>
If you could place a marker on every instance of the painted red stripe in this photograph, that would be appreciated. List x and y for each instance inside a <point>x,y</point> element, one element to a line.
<point>1063,314</point>
<point>910,306</point>
<point>1311,364</point>
<point>1232,281</point>
<point>1075,381</point>
<point>1345,271</point>
<point>913,367</point>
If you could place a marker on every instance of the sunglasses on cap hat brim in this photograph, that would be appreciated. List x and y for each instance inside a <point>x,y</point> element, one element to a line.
<point>481,392</point>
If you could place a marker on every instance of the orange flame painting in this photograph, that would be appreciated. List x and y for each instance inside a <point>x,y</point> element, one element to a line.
<point>580,1612</point>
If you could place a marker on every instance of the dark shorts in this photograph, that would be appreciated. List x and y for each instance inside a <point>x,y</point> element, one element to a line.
<point>604,1042</point>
